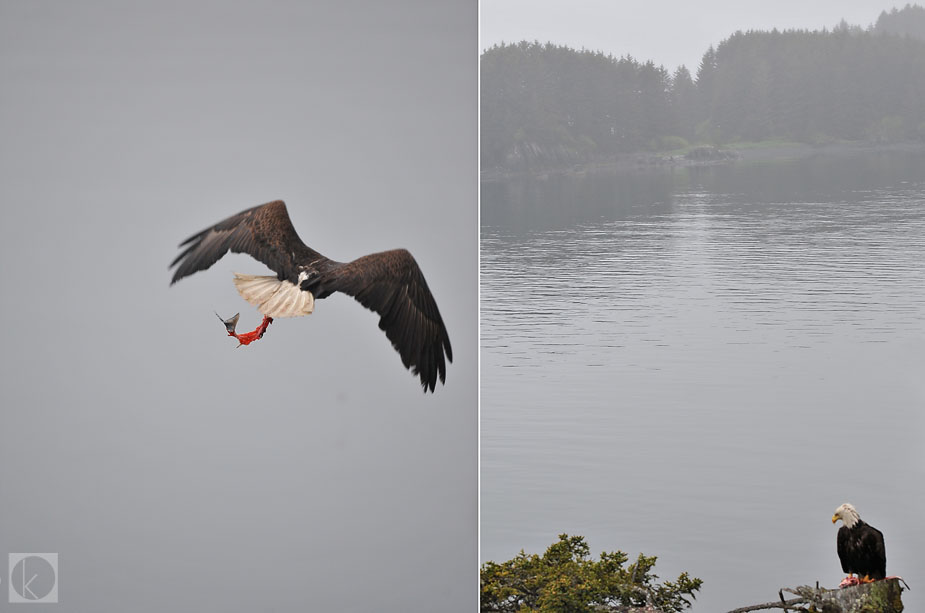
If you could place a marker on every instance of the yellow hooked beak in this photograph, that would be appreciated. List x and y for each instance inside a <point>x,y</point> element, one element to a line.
<point>835,518</point>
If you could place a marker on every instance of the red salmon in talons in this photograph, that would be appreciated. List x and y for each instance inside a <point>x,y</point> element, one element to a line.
<point>245,338</point>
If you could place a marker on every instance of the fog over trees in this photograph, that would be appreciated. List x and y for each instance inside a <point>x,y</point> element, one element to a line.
<point>843,84</point>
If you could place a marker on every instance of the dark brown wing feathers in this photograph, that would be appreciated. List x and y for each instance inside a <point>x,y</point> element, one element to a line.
<point>861,550</point>
<point>263,232</point>
<point>391,284</point>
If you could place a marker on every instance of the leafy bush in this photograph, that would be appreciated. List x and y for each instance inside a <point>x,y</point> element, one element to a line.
<point>566,579</point>
<point>889,129</point>
<point>670,143</point>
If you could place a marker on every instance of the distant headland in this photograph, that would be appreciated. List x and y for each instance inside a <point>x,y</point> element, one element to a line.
<point>548,108</point>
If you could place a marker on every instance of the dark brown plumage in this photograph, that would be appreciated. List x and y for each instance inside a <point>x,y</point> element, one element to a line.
<point>861,550</point>
<point>860,545</point>
<point>389,283</point>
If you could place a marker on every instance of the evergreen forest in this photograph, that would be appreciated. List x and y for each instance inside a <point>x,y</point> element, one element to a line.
<point>822,86</point>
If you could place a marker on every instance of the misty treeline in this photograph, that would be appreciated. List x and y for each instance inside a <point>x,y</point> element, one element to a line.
<point>816,87</point>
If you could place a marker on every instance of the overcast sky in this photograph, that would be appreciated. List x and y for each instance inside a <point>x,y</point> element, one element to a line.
<point>168,469</point>
<point>669,33</point>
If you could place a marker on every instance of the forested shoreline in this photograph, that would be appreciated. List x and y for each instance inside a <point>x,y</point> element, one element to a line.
<point>545,105</point>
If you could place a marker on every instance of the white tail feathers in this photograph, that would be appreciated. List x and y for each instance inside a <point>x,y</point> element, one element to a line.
<point>273,297</point>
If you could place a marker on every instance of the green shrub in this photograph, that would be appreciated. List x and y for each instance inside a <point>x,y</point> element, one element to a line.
<point>566,579</point>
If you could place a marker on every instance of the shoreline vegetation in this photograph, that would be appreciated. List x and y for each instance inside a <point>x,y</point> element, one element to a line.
<point>696,156</point>
<point>567,578</point>
<point>759,95</point>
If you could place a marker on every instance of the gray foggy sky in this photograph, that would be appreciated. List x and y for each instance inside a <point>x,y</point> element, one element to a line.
<point>669,33</point>
<point>169,470</point>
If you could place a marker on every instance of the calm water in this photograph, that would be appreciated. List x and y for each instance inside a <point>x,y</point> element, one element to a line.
<point>701,364</point>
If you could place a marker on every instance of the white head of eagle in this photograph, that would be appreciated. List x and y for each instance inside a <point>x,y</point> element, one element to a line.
<point>860,545</point>
<point>848,514</point>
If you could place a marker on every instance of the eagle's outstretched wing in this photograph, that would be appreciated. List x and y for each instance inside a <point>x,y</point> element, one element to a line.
<point>263,232</point>
<point>391,284</point>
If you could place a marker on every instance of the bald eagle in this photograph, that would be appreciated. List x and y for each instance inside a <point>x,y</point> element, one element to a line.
<point>860,547</point>
<point>389,283</point>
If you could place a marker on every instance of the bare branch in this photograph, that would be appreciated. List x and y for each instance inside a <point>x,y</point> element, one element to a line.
<point>782,604</point>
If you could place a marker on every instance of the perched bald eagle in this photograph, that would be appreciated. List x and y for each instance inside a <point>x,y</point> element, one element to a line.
<point>860,547</point>
<point>389,283</point>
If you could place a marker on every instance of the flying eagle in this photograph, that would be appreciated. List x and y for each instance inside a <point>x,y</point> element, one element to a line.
<point>860,547</point>
<point>389,283</point>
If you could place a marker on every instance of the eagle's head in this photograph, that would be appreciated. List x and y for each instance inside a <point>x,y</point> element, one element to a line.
<point>847,514</point>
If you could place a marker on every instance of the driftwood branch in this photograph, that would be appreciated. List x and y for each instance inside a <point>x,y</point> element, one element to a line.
<point>777,604</point>
<point>878,597</point>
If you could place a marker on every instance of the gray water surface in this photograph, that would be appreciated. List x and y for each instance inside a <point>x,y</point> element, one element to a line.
<point>701,364</point>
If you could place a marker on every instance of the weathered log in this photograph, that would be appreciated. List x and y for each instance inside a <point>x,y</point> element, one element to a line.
<point>878,597</point>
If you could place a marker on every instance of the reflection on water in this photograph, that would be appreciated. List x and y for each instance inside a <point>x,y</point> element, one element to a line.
<point>702,364</point>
